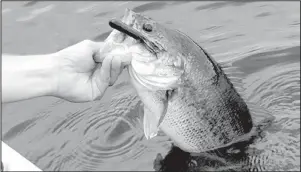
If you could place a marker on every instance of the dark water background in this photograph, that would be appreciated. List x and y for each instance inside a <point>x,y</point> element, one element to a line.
<point>262,39</point>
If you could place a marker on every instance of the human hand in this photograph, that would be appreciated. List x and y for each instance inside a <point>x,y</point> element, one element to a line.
<point>80,77</point>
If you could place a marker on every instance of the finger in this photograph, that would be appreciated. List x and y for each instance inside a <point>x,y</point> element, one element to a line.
<point>116,69</point>
<point>100,55</point>
<point>118,64</point>
<point>102,76</point>
<point>95,48</point>
<point>110,49</point>
<point>111,42</point>
<point>116,36</point>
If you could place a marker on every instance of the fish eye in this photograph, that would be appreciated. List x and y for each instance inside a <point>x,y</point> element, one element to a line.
<point>147,27</point>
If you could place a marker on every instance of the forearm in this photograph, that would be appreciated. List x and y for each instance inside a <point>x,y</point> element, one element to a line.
<point>25,77</point>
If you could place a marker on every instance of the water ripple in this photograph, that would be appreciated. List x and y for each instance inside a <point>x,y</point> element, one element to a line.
<point>277,87</point>
<point>108,134</point>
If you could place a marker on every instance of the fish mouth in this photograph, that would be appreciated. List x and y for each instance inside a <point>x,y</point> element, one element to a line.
<point>127,24</point>
<point>140,39</point>
<point>126,29</point>
<point>145,65</point>
<point>138,36</point>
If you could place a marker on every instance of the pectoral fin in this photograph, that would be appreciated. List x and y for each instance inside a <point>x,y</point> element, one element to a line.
<point>168,96</point>
<point>149,124</point>
<point>155,107</point>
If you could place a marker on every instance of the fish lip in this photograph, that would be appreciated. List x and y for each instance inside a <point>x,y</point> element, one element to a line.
<point>126,29</point>
<point>130,31</point>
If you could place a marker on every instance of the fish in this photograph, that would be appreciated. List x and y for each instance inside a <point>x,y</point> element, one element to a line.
<point>185,92</point>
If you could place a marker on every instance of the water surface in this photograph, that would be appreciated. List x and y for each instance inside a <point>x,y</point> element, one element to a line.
<point>262,39</point>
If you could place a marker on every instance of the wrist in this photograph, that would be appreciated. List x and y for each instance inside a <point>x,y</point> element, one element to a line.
<point>30,76</point>
<point>42,72</point>
<point>51,72</point>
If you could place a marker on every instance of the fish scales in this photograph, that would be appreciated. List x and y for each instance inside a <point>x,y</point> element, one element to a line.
<point>185,92</point>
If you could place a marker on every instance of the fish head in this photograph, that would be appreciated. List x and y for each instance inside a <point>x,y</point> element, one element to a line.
<point>158,60</point>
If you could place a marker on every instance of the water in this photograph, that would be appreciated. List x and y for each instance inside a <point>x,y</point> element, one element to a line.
<point>262,39</point>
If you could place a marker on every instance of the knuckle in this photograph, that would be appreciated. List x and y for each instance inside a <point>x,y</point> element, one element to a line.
<point>87,42</point>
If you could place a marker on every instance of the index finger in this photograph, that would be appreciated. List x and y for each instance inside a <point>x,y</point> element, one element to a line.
<point>111,42</point>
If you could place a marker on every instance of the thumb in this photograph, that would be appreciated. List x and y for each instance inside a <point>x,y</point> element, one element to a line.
<point>96,48</point>
<point>102,76</point>
<point>109,49</point>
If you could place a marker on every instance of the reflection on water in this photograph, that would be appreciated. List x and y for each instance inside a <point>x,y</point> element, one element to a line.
<point>261,39</point>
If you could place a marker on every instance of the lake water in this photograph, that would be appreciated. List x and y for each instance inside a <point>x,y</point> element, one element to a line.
<point>262,39</point>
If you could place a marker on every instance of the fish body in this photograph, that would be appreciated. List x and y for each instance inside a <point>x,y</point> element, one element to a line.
<point>185,92</point>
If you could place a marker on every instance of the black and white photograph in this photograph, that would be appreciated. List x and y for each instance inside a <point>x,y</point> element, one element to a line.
<point>164,86</point>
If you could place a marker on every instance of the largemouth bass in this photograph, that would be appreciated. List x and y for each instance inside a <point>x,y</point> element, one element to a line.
<point>185,92</point>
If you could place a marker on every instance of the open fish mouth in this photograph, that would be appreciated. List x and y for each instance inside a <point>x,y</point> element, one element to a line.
<point>146,66</point>
<point>136,35</point>
<point>126,29</point>
<point>127,26</point>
